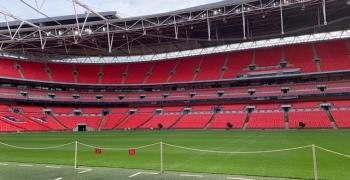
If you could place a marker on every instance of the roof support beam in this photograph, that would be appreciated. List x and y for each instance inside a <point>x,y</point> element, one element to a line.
<point>324,12</point>
<point>243,22</point>
<point>209,29</point>
<point>281,14</point>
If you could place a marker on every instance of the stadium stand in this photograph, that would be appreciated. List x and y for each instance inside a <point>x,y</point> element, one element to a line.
<point>312,119</point>
<point>266,120</point>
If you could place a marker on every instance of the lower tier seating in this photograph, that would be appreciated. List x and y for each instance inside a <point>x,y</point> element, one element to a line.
<point>341,118</point>
<point>311,119</point>
<point>193,121</point>
<point>221,121</point>
<point>269,120</point>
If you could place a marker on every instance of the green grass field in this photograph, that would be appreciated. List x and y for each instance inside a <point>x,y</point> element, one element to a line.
<point>287,164</point>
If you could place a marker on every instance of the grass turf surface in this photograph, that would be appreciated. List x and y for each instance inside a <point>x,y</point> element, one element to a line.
<point>292,164</point>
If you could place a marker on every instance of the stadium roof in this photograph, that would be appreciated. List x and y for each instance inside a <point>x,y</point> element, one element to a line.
<point>211,25</point>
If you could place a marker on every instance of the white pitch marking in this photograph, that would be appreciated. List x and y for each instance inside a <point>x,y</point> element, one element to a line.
<point>191,175</point>
<point>84,170</point>
<point>236,178</point>
<point>56,167</point>
<point>25,165</point>
<point>138,173</point>
<point>60,178</point>
<point>3,164</point>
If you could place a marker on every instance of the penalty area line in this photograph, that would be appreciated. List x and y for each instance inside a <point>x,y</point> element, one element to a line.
<point>59,178</point>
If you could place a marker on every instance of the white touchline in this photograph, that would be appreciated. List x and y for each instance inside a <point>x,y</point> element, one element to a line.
<point>58,178</point>
<point>236,178</point>
<point>191,175</point>
<point>133,175</point>
<point>25,165</point>
<point>56,167</point>
<point>84,170</point>
<point>138,173</point>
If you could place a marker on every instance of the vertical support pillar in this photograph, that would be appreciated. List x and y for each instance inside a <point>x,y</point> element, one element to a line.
<point>76,155</point>
<point>324,12</point>
<point>314,161</point>
<point>243,23</point>
<point>281,14</point>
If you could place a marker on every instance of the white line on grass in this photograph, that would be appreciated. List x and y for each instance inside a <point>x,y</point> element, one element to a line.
<point>25,165</point>
<point>55,167</point>
<point>191,175</point>
<point>3,164</point>
<point>236,178</point>
<point>60,178</point>
<point>84,170</point>
<point>138,173</point>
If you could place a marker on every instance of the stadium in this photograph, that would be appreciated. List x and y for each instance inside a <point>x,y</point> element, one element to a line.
<point>231,90</point>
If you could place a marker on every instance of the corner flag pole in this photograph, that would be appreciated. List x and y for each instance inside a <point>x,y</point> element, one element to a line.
<point>161,158</point>
<point>314,161</point>
<point>76,155</point>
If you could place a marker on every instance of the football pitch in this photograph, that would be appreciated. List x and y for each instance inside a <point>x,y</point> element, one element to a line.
<point>240,155</point>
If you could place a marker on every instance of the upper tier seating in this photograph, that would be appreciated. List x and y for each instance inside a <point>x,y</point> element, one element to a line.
<point>210,68</point>
<point>113,73</point>
<point>62,72</point>
<point>88,74</point>
<point>34,71</point>
<point>266,120</point>
<point>334,55</point>
<point>331,61</point>
<point>312,119</point>
<point>161,71</point>
<point>185,69</point>
<point>8,69</point>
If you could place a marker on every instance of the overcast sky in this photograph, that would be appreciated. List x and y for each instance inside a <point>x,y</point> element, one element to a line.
<point>124,8</point>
